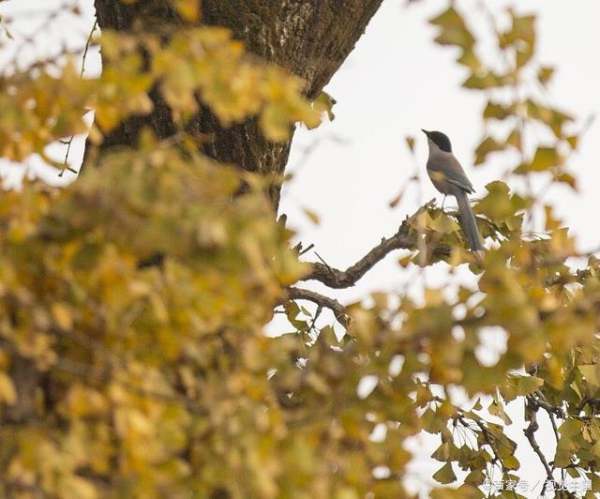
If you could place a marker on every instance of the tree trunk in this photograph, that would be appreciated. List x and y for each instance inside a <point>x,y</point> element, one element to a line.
<point>310,38</point>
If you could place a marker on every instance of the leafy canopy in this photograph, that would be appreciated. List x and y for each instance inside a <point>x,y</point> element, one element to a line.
<point>133,358</point>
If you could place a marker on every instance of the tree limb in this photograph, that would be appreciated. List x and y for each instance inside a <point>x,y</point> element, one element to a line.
<point>405,238</point>
<point>530,434</point>
<point>335,306</point>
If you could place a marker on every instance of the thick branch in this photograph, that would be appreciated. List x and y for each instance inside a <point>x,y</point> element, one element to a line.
<point>405,238</point>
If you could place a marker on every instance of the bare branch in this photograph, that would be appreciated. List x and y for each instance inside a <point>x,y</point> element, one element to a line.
<point>536,401</point>
<point>405,238</point>
<point>322,301</point>
<point>530,434</point>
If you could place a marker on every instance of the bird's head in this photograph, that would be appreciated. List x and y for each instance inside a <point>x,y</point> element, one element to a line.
<point>439,139</point>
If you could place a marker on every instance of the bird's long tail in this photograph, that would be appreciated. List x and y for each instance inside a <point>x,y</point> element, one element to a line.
<point>468,222</point>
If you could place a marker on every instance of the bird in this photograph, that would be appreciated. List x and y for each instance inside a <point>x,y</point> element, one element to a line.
<point>448,177</point>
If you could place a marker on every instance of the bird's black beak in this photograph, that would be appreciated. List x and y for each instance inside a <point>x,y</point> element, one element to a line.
<point>425,132</point>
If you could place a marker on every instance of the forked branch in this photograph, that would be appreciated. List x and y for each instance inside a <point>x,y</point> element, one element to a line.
<point>405,238</point>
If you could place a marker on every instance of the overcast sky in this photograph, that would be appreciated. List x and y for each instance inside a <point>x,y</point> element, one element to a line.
<point>395,83</point>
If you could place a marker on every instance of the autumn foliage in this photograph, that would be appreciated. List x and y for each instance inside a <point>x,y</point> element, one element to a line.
<point>133,303</point>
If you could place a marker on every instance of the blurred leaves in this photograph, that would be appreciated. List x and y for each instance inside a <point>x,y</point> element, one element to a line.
<point>197,65</point>
<point>453,30</point>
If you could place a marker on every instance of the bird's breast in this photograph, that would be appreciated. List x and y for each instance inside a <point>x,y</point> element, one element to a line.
<point>439,181</point>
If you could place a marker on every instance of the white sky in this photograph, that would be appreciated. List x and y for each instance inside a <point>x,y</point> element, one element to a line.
<point>395,83</point>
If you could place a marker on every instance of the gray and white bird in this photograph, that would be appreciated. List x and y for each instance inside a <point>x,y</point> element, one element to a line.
<point>448,177</point>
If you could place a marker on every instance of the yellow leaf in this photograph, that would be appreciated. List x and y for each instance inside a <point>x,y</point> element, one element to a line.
<point>591,374</point>
<point>545,74</point>
<point>324,103</point>
<point>62,315</point>
<point>8,395</point>
<point>453,30</point>
<point>545,157</point>
<point>405,260</point>
<point>188,9</point>
<point>486,147</point>
<point>82,401</point>
<point>312,216</point>
<point>445,474</point>
<point>497,410</point>
<point>497,111</point>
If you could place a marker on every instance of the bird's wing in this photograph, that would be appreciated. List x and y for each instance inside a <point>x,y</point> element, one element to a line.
<point>456,176</point>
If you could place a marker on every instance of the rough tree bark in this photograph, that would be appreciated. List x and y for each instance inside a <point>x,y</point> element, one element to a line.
<point>311,38</point>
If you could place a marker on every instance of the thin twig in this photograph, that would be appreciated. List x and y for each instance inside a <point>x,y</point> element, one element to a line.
<point>306,250</point>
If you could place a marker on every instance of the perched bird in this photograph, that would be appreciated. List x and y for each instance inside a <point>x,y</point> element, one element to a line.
<point>448,177</point>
